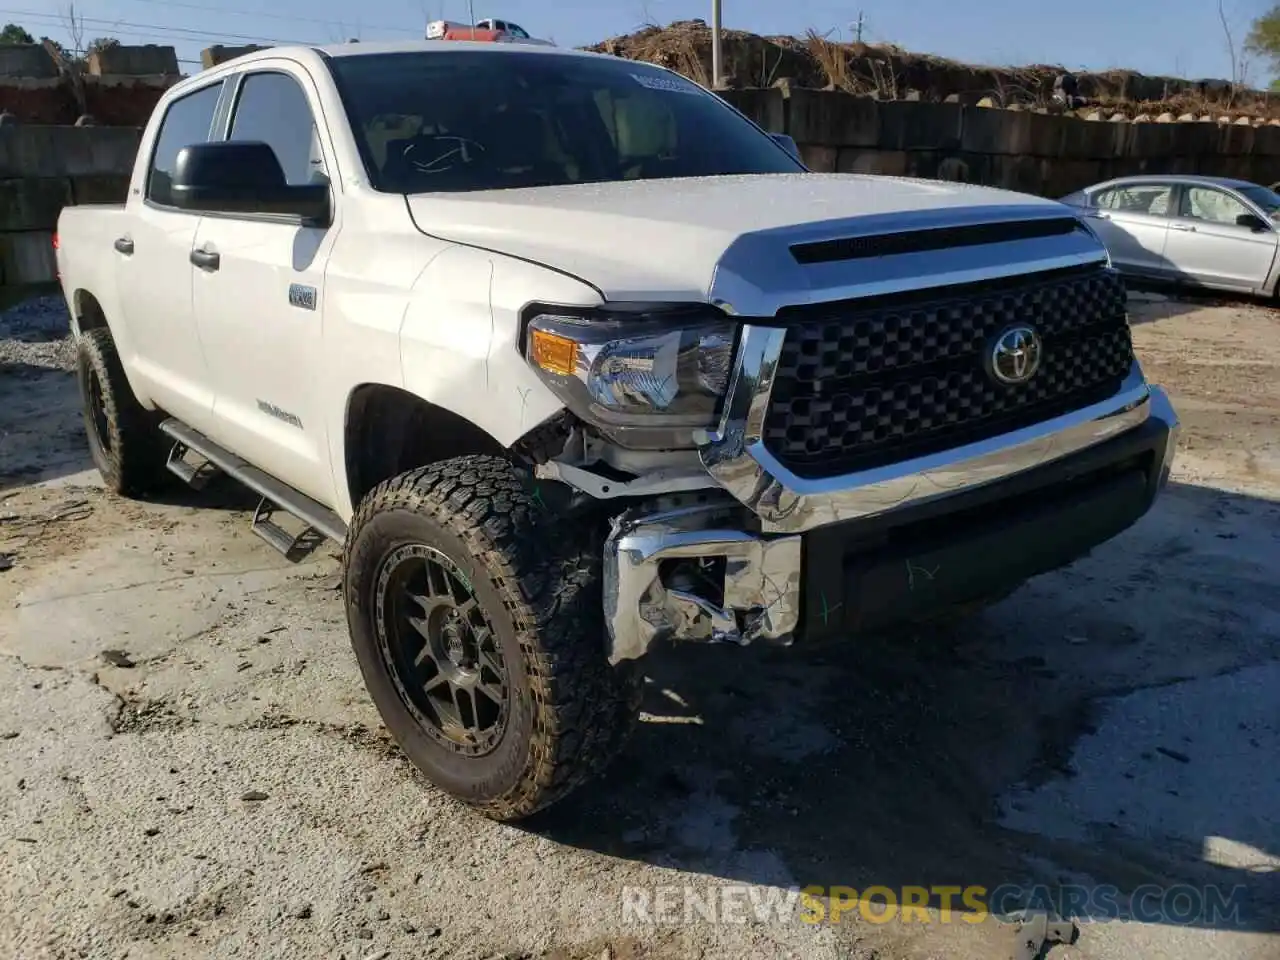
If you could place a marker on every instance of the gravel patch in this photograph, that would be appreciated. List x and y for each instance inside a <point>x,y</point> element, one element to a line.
<point>36,335</point>
<point>41,436</point>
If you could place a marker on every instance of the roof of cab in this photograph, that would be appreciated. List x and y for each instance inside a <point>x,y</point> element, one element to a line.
<point>309,53</point>
<point>444,46</point>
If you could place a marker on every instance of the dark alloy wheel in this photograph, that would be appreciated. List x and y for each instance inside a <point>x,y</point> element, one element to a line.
<point>441,651</point>
<point>479,629</point>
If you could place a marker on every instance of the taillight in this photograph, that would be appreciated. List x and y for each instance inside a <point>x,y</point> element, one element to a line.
<point>55,241</point>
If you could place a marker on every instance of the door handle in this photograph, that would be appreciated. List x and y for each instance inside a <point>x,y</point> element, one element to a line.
<point>205,259</point>
<point>124,245</point>
<point>1184,227</point>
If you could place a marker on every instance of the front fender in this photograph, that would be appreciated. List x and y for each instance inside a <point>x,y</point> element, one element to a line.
<point>460,340</point>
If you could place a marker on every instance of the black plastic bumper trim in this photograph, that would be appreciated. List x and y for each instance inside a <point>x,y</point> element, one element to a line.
<point>874,574</point>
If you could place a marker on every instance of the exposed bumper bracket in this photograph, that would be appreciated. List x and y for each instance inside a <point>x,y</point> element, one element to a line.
<point>648,600</point>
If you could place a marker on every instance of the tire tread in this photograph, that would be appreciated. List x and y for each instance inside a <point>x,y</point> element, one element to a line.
<point>583,709</point>
<point>135,464</point>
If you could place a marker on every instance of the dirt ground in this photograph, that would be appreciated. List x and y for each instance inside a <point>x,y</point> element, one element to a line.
<point>190,767</point>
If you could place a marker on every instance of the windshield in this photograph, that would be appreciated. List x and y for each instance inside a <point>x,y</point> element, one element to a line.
<point>1265,198</point>
<point>446,121</point>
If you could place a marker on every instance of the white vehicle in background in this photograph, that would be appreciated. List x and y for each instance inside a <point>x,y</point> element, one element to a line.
<point>1194,231</point>
<point>489,30</point>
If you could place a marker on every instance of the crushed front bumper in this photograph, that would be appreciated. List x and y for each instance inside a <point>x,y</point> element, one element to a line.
<point>782,556</point>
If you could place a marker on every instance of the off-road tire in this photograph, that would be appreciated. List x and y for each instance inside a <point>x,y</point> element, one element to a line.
<point>125,444</point>
<point>569,712</point>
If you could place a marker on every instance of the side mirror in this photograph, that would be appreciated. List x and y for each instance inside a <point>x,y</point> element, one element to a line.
<point>787,144</point>
<point>243,176</point>
<point>1252,221</point>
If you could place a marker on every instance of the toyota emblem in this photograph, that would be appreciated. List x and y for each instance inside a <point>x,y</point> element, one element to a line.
<point>1015,355</point>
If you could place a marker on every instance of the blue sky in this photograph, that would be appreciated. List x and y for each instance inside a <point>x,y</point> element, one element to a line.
<point>1153,36</point>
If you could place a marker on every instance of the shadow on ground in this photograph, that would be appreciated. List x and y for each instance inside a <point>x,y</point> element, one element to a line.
<point>900,762</point>
<point>1151,301</point>
<point>42,440</point>
<point>41,434</point>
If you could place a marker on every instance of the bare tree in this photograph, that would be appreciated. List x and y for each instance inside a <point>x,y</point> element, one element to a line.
<point>646,15</point>
<point>71,63</point>
<point>1240,60</point>
<point>75,30</point>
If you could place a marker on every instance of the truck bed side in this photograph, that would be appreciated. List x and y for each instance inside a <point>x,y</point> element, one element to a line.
<point>87,267</point>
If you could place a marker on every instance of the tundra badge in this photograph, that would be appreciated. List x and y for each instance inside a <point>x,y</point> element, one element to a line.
<point>271,410</point>
<point>302,296</point>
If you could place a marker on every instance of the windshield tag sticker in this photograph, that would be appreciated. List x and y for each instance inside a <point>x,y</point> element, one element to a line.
<point>665,84</point>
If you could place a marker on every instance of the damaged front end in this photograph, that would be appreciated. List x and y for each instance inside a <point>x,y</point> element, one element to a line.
<point>951,390</point>
<point>696,572</point>
<point>644,383</point>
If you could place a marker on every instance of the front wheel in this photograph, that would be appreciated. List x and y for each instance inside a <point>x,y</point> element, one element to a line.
<point>481,643</point>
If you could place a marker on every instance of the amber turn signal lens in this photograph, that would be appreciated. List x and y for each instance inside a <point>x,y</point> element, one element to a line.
<point>554,353</point>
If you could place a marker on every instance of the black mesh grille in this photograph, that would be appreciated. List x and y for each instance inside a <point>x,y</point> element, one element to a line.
<point>864,383</point>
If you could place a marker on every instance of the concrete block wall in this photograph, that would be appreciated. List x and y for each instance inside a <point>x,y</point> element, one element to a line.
<point>212,56</point>
<point>134,61</point>
<point>118,101</point>
<point>1023,150</point>
<point>27,60</point>
<point>34,100</point>
<point>120,85</point>
<point>42,170</point>
<point>111,100</point>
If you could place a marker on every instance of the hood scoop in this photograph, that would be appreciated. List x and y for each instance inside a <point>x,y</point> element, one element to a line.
<point>923,241</point>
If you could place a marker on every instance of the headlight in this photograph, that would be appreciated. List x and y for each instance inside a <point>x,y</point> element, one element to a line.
<point>647,376</point>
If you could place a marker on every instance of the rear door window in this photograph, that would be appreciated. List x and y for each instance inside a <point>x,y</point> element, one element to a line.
<point>1153,199</point>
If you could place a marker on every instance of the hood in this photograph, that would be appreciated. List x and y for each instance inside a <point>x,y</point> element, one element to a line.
<point>731,239</point>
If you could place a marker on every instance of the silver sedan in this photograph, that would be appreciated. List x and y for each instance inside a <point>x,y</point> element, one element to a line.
<point>1200,231</point>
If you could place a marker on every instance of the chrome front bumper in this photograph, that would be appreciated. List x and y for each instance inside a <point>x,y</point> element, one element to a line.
<point>761,596</point>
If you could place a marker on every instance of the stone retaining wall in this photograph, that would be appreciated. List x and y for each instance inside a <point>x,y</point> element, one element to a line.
<point>116,86</point>
<point>110,100</point>
<point>1033,152</point>
<point>44,168</point>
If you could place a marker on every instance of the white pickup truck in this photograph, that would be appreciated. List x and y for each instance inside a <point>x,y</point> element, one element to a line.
<point>576,360</point>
